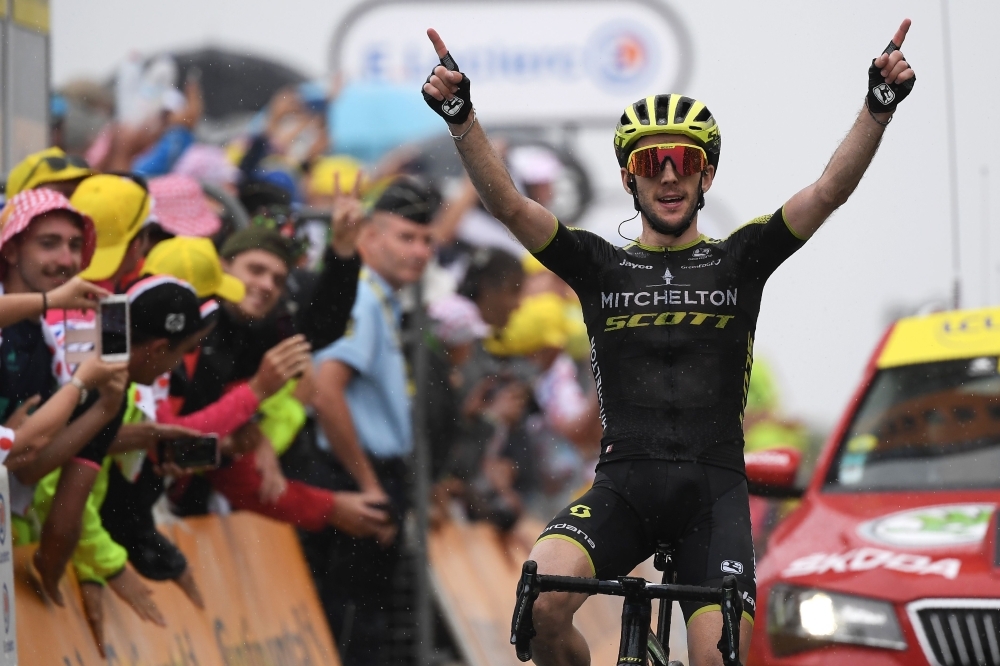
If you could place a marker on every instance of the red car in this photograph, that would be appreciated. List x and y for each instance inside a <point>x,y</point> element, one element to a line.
<point>893,556</point>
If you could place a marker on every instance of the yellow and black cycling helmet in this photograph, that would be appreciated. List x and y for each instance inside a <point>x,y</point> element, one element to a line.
<point>668,114</point>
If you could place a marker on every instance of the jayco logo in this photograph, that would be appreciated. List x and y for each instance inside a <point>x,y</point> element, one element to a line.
<point>628,264</point>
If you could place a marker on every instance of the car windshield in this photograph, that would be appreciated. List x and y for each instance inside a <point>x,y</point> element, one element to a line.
<point>928,426</point>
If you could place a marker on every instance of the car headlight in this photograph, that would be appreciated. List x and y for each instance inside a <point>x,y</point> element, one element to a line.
<point>801,618</point>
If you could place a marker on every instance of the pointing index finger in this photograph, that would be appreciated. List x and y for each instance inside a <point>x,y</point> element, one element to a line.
<point>900,35</point>
<point>438,43</point>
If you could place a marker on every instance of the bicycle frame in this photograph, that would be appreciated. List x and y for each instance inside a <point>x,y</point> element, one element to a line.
<point>636,609</point>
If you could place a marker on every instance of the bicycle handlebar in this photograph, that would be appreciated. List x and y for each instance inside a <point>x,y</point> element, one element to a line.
<point>532,583</point>
<point>617,588</point>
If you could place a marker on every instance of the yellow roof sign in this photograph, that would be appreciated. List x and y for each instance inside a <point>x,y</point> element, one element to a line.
<point>943,336</point>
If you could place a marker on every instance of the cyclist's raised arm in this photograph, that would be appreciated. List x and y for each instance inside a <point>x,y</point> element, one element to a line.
<point>890,80</point>
<point>447,93</point>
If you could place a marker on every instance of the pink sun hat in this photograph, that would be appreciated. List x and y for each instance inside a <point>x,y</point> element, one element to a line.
<point>22,210</point>
<point>207,164</point>
<point>179,207</point>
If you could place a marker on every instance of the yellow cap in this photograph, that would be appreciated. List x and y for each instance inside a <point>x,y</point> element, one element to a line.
<point>51,165</point>
<point>195,261</point>
<point>119,206</point>
<point>321,176</point>
<point>539,323</point>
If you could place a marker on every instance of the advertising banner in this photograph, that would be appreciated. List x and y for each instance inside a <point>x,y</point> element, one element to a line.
<point>260,606</point>
<point>530,61</point>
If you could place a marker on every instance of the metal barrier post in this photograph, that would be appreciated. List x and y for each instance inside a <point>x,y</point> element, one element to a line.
<point>423,610</point>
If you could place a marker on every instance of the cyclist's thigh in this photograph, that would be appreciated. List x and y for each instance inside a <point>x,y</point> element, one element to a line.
<point>718,542</point>
<point>560,558</point>
<point>601,526</point>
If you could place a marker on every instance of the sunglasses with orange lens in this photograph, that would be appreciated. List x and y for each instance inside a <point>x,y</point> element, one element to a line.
<point>648,162</point>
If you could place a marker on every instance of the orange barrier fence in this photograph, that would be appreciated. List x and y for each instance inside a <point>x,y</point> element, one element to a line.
<point>475,569</point>
<point>261,607</point>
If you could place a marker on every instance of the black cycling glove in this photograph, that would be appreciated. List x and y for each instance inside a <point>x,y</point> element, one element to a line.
<point>457,109</point>
<point>884,97</point>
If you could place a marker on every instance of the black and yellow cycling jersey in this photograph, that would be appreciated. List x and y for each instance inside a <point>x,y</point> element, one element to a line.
<point>671,332</point>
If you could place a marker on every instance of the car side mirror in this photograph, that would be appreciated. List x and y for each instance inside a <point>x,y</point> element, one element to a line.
<point>772,472</point>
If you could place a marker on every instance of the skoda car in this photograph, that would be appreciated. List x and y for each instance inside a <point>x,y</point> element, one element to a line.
<point>893,556</point>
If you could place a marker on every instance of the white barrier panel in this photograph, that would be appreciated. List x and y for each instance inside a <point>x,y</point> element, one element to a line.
<point>8,645</point>
<point>530,61</point>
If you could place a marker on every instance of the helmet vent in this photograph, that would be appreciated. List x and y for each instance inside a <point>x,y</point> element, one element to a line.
<point>624,121</point>
<point>683,106</point>
<point>662,109</point>
<point>642,112</point>
<point>703,116</point>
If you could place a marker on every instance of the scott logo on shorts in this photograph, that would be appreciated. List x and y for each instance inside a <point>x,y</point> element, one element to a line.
<point>580,511</point>
<point>732,567</point>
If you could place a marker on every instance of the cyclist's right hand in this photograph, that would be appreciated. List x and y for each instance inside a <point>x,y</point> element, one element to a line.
<point>447,90</point>
<point>285,360</point>
<point>95,373</point>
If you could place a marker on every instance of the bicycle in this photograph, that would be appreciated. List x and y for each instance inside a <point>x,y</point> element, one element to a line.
<point>637,640</point>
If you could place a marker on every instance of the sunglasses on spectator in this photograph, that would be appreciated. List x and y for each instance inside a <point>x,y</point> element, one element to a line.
<point>56,163</point>
<point>648,162</point>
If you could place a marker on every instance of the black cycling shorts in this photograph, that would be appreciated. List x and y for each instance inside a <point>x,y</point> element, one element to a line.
<point>702,510</point>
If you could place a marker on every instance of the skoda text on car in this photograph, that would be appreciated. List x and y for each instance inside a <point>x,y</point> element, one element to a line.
<point>893,557</point>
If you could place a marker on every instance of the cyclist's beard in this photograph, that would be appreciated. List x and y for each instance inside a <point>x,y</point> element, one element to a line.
<point>660,226</point>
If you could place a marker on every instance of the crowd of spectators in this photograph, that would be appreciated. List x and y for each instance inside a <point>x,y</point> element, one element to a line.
<point>274,290</point>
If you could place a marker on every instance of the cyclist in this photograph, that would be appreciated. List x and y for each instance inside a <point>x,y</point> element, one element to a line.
<point>671,319</point>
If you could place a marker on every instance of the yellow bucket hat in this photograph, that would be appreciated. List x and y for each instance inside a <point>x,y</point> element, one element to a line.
<point>195,261</point>
<point>51,165</point>
<point>119,206</point>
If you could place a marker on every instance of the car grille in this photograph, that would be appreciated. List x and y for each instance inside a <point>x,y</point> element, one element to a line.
<point>958,632</point>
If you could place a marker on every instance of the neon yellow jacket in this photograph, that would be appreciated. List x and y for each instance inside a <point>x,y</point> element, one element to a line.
<point>97,556</point>
<point>283,416</point>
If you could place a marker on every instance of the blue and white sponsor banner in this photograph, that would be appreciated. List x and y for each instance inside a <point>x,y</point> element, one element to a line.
<point>529,60</point>
<point>8,639</point>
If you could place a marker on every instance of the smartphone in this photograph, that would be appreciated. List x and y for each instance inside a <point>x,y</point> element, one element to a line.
<point>113,323</point>
<point>191,452</point>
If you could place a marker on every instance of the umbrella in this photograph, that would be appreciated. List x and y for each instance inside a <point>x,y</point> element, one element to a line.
<point>370,119</point>
<point>235,83</point>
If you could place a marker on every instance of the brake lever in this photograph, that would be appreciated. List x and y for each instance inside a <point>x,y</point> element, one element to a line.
<point>732,611</point>
<point>522,629</point>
